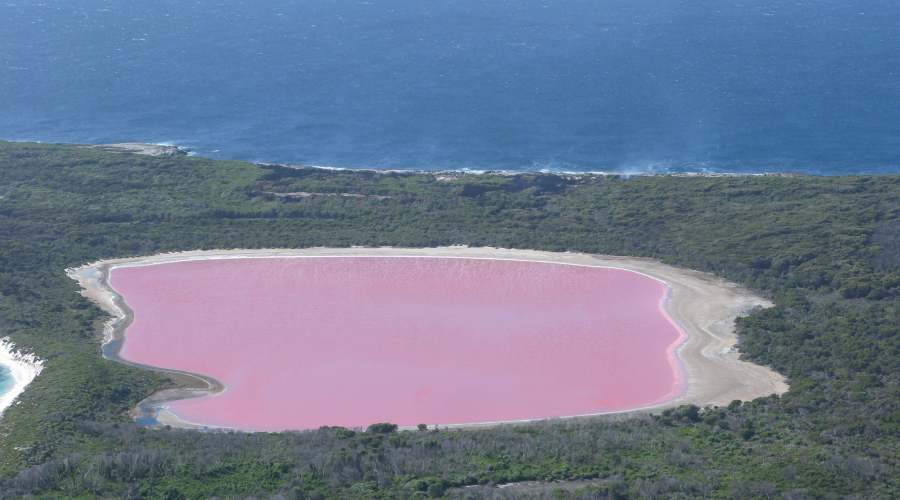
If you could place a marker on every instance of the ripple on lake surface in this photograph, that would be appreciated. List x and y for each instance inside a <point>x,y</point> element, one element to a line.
<point>305,342</point>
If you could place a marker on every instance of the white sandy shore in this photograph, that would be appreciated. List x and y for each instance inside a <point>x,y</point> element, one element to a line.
<point>23,367</point>
<point>704,305</point>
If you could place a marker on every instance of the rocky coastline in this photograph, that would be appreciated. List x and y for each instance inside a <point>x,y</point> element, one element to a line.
<point>166,150</point>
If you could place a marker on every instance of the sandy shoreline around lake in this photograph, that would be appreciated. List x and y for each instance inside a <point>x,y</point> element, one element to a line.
<point>703,305</point>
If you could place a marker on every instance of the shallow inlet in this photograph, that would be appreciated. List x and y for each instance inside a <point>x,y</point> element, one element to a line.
<point>311,341</point>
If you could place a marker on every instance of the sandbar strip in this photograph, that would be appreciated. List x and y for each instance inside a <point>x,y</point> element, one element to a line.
<point>704,305</point>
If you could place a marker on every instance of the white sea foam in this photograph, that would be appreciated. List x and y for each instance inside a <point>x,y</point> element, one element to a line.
<point>23,367</point>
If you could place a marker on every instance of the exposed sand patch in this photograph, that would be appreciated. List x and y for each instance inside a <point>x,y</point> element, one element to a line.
<point>23,368</point>
<point>532,487</point>
<point>704,305</point>
<point>141,149</point>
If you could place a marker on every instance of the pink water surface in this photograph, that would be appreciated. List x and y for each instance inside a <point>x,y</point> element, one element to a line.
<point>350,341</point>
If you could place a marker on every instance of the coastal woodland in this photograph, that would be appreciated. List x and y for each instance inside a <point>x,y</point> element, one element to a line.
<point>825,250</point>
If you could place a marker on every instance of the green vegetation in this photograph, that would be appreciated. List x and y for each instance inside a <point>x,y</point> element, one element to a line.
<point>827,250</point>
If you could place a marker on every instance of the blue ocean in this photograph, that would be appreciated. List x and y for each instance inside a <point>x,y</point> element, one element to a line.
<point>6,380</point>
<point>562,85</point>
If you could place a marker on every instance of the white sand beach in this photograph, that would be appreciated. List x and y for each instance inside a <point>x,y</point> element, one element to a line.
<point>23,367</point>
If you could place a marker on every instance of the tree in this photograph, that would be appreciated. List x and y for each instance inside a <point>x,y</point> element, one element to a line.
<point>384,428</point>
<point>435,490</point>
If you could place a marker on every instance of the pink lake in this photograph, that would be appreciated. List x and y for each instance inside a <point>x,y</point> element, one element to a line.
<point>350,341</point>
